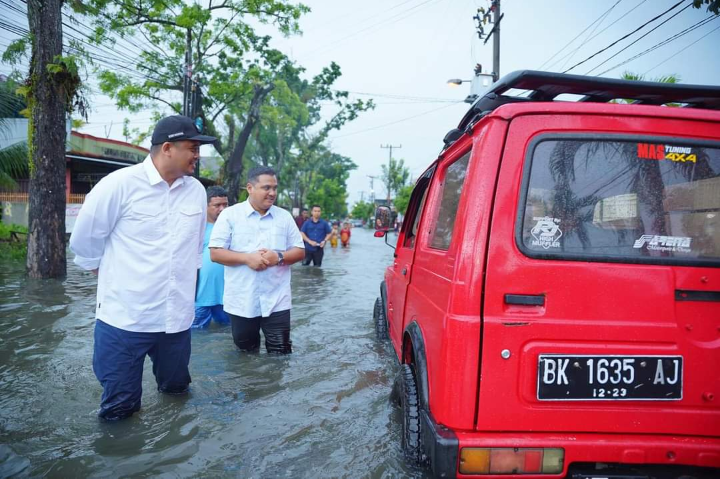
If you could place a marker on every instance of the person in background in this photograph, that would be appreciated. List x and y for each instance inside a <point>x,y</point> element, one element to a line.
<point>345,235</point>
<point>141,231</point>
<point>334,235</point>
<point>315,232</point>
<point>257,242</point>
<point>211,284</point>
<point>302,218</point>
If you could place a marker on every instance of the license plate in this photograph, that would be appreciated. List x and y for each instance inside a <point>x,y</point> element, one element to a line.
<point>609,378</point>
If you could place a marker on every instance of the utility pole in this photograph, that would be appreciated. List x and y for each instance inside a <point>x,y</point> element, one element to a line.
<point>496,39</point>
<point>389,147</point>
<point>372,188</point>
<point>482,18</point>
<point>187,78</point>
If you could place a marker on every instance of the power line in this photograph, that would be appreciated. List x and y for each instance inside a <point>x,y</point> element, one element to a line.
<point>393,19</point>
<point>624,37</point>
<point>622,16</point>
<point>681,50</point>
<point>637,40</point>
<point>397,121</point>
<point>586,39</point>
<point>663,43</point>
<point>579,34</point>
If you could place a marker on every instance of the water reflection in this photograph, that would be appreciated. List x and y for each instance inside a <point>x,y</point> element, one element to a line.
<point>321,412</point>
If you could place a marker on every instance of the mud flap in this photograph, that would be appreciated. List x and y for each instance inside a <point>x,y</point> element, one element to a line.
<point>441,446</point>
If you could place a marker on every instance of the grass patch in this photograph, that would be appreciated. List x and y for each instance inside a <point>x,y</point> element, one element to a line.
<point>13,242</point>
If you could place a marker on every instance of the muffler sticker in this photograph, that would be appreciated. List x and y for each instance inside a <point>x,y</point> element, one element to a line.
<point>546,232</point>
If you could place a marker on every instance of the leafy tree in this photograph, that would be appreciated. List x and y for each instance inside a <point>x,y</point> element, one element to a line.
<point>713,5</point>
<point>402,199</point>
<point>394,175</point>
<point>363,210</point>
<point>13,158</point>
<point>241,81</point>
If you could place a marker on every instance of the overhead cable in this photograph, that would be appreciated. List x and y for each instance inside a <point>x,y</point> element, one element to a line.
<point>624,37</point>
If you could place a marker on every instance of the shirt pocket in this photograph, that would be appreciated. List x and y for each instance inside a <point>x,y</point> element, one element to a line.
<point>189,221</point>
<point>145,221</point>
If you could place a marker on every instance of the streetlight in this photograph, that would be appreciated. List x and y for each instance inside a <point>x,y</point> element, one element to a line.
<point>453,82</point>
<point>478,85</point>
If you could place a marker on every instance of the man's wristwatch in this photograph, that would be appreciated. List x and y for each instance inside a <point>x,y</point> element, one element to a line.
<point>281,259</point>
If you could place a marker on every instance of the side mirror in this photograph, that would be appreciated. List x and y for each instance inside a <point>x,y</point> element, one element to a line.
<point>383,219</point>
<point>383,223</point>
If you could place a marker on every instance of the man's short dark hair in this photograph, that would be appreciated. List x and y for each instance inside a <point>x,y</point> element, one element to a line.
<point>216,191</point>
<point>155,149</point>
<point>257,172</point>
<point>316,206</point>
<point>303,210</point>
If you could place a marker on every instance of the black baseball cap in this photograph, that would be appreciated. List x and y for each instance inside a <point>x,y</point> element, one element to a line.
<point>178,128</point>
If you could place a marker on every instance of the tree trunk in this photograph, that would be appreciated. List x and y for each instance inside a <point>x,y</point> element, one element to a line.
<point>234,167</point>
<point>46,226</point>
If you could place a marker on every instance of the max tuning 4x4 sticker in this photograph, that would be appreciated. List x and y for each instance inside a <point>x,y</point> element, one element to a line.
<point>649,151</point>
<point>546,232</point>
<point>675,244</point>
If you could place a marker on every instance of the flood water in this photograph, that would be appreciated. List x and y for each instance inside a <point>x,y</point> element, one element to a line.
<point>322,412</point>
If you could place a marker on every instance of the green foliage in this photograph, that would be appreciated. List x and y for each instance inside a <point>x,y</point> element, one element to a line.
<point>402,199</point>
<point>11,249</point>
<point>713,5</point>
<point>13,158</point>
<point>363,210</point>
<point>394,175</point>
<point>17,51</point>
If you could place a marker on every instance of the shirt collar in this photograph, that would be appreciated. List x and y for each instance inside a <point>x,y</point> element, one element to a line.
<point>249,210</point>
<point>154,175</point>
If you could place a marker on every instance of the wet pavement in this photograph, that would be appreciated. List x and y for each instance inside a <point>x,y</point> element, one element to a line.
<point>322,412</point>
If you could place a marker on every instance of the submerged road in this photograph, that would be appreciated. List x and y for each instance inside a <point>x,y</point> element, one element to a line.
<point>322,412</point>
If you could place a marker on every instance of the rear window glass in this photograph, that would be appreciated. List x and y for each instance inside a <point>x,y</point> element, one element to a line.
<point>622,200</point>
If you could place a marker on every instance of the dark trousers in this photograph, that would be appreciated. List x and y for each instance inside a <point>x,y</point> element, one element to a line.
<point>275,328</point>
<point>314,256</point>
<point>118,361</point>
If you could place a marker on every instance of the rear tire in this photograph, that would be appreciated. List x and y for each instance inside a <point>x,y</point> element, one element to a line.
<point>381,331</point>
<point>412,428</point>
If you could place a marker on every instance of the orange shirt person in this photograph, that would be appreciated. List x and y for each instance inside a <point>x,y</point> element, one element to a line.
<point>345,235</point>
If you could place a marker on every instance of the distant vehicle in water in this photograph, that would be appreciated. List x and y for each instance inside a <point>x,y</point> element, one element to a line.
<point>554,298</point>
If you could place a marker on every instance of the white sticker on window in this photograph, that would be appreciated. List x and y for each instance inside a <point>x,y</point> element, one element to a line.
<point>676,244</point>
<point>546,232</point>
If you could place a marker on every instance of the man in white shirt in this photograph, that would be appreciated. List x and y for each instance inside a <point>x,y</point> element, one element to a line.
<point>141,231</point>
<point>257,242</point>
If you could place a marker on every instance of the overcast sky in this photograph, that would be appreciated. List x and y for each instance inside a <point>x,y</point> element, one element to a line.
<point>402,52</point>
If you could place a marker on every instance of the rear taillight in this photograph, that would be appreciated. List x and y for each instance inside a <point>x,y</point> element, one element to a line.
<point>508,460</point>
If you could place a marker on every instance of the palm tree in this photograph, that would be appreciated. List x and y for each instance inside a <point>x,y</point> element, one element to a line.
<point>13,158</point>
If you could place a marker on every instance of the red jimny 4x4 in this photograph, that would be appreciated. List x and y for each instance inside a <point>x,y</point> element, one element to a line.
<point>554,301</point>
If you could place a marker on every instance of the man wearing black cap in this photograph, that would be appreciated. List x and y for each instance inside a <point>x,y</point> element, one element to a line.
<point>141,231</point>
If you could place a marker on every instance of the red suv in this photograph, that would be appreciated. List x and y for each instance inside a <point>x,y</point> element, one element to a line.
<point>554,301</point>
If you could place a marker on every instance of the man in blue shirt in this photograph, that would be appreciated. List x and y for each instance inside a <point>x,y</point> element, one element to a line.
<point>315,232</point>
<point>209,296</point>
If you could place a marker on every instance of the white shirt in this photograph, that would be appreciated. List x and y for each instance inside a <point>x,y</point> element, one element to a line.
<point>250,293</point>
<point>146,238</point>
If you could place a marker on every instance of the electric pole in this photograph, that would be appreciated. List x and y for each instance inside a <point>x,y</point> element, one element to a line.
<point>372,188</point>
<point>187,78</point>
<point>482,18</point>
<point>389,171</point>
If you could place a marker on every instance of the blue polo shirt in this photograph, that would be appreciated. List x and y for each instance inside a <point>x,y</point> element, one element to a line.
<point>211,282</point>
<point>315,231</point>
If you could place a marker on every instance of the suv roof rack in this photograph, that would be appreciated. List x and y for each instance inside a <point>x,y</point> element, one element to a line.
<point>546,86</point>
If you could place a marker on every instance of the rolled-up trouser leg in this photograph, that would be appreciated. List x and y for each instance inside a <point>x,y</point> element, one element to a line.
<point>276,329</point>
<point>171,357</point>
<point>118,359</point>
<point>246,332</point>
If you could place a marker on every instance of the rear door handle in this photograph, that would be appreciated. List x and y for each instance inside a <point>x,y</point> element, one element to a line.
<point>404,271</point>
<point>689,295</point>
<point>525,299</point>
